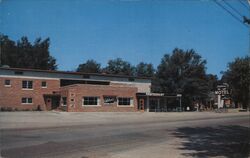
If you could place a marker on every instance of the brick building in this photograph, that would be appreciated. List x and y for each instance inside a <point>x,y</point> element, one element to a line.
<point>29,89</point>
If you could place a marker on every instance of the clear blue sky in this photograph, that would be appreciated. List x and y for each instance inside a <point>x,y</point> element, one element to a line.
<point>135,30</point>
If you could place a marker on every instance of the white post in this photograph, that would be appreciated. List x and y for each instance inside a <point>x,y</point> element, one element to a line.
<point>219,102</point>
<point>147,103</point>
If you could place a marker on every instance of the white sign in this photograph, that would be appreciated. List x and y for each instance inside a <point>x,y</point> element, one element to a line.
<point>221,92</point>
<point>109,99</point>
<point>179,95</point>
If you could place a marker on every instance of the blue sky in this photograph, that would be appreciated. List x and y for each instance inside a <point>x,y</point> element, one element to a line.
<point>135,30</point>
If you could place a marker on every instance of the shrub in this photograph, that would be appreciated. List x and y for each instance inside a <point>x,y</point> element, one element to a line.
<point>9,109</point>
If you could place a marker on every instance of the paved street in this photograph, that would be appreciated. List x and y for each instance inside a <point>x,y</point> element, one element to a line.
<point>124,135</point>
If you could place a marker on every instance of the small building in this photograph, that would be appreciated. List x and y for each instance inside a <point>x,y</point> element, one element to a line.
<point>31,89</point>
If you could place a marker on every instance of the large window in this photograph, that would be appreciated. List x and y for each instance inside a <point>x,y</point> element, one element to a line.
<point>27,85</point>
<point>125,101</point>
<point>27,101</point>
<point>7,83</point>
<point>90,100</point>
<point>64,101</point>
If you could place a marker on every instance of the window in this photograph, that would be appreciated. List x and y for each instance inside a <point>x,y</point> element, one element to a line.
<point>44,84</point>
<point>18,72</point>
<point>7,83</point>
<point>64,101</point>
<point>27,101</point>
<point>125,101</point>
<point>27,85</point>
<point>131,79</point>
<point>85,76</point>
<point>109,99</point>
<point>90,100</point>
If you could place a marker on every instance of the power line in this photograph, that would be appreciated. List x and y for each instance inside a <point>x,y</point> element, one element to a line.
<point>243,4</point>
<point>228,11</point>
<point>232,8</point>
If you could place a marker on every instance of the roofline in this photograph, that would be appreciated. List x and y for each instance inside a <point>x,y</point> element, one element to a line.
<point>74,73</point>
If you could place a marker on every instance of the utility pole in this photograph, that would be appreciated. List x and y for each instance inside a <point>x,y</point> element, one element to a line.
<point>247,21</point>
<point>0,56</point>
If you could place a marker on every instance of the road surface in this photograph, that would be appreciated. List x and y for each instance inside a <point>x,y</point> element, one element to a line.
<point>156,135</point>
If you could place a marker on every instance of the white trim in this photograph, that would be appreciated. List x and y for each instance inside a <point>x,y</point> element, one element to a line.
<point>29,77</point>
<point>27,103</point>
<point>92,105</point>
<point>125,106</point>
<point>52,78</point>
<point>27,89</point>
<point>7,85</point>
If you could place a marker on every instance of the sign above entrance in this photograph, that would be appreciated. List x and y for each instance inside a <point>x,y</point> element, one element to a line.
<point>155,94</point>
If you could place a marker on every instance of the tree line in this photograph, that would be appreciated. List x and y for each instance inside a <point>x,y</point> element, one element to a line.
<point>182,71</point>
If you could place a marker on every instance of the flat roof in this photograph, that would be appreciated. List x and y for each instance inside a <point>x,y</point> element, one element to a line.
<point>74,73</point>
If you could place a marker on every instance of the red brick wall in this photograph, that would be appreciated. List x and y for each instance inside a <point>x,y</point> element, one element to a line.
<point>11,96</point>
<point>77,92</point>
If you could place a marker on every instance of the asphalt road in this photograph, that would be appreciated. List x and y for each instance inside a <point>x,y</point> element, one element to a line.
<point>201,137</point>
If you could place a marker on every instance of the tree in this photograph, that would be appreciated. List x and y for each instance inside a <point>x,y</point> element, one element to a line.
<point>212,81</point>
<point>145,70</point>
<point>119,66</point>
<point>238,77</point>
<point>183,72</point>
<point>90,66</point>
<point>23,54</point>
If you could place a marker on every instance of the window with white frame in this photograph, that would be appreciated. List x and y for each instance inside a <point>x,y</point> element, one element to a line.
<point>44,84</point>
<point>91,101</point>
<point>125,101</point>
<point>27,85</point>
<point>7,83</point>
<point>27,100</point>
<point>64,101</point>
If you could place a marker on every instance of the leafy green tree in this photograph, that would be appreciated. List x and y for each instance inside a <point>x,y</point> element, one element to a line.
<point>238,77</point>
<point>8,51</point>
<point>145,70</point>
<point>183,72</point>
<point>23,54</point>
<point>90,66</point>
<point>212,81</point>
<point>119,66</point>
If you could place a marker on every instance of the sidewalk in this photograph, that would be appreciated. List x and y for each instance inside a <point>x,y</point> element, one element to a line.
<point>13,120</point>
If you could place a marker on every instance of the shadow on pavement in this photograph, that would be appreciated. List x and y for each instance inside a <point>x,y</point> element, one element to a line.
<point>224,141</point>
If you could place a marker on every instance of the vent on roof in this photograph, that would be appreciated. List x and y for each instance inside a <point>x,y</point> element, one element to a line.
<point>18,72</point>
